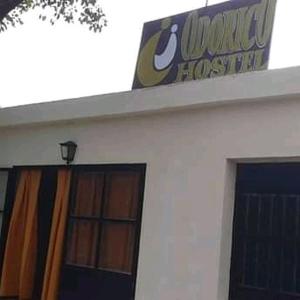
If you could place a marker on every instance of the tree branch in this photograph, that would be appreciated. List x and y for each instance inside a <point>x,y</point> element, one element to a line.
<point>6,6</point>
<point>86,12</point>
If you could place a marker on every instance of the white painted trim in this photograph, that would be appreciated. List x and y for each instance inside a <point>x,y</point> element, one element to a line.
<point>254,86</point>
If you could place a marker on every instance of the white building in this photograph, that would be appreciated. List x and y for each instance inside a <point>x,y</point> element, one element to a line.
<point>191,137</point>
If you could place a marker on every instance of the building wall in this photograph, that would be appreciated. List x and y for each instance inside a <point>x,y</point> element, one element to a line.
<point>189,194</point>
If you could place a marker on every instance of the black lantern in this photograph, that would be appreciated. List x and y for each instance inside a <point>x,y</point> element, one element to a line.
<point>68,150</point>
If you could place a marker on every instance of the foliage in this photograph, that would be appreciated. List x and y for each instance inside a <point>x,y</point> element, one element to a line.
<point>86,12</point>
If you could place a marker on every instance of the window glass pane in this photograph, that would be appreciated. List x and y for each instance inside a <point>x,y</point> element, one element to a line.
<point>3,185</point>
<point>117,245</point>
<point>122,196</point>
<point>82,242</point>
<point>88,194</point>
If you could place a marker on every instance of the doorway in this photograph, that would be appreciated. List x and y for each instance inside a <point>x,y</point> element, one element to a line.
<point>265,263</point>
<point>82,222</point>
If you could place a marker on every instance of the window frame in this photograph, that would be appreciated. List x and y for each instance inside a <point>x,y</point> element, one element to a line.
<point>106,169</point>
<point>100,220</point>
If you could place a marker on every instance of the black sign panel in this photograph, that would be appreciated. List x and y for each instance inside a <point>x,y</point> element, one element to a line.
<point>227,38</point>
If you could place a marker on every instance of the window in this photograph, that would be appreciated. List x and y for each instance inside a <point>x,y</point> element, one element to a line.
<point>103,234</point>
<point>266,234</point>
<point>3,187</point>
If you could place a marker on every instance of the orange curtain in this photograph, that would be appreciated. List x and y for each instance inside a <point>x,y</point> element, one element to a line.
<point>89,187</point>
<point>18,271</point>
<point>55,250</point>
<point>117,238</point>
<point>117,242</point>
<point>83,234</point>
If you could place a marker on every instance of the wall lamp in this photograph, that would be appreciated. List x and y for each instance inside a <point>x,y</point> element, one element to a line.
<point>68,150</point>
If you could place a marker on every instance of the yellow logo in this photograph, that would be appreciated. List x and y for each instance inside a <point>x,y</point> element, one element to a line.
<point>152,68</point>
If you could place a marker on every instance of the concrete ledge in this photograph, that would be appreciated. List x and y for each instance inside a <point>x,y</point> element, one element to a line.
<point>229,89</point>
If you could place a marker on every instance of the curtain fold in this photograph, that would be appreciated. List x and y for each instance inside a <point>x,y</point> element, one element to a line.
<point>18,270</point>
<point>89,187</point>
<point>83,234</point>
<point>55,250</point>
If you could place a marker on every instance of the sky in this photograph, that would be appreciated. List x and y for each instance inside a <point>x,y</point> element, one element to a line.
<point>40,62</point>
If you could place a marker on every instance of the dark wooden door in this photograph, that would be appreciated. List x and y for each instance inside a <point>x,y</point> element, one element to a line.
<point>266,235</point>
<point>102,241</point>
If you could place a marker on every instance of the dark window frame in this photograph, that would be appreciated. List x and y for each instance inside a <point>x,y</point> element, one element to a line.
<point>109,168</point>
<point>100,220</point>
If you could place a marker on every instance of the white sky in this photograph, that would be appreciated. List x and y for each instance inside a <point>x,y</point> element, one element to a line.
<point>40,62</point>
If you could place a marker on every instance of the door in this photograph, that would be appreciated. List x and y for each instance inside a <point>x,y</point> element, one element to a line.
<point>101,250</point>
<point>99,246</point>
<point>266,233</point>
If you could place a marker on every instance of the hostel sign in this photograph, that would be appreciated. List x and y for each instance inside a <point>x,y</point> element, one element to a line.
<point>227,38</point>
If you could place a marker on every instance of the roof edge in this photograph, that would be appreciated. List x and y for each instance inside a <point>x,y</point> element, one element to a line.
<point>271,84</point>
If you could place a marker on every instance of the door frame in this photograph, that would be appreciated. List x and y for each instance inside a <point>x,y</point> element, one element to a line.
<point>10,194</point>
<point>285,163</point>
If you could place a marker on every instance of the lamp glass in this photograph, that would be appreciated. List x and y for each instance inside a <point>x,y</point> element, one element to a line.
<point>64,152</point>
<point>68,151</point>
<point>71,152</point>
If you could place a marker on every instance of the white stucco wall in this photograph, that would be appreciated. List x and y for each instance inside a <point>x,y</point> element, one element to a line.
<point>190,155</point>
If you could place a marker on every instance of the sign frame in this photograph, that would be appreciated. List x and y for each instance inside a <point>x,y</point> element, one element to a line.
<point>227,38</point>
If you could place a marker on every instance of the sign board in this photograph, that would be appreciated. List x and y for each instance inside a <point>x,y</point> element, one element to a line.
<point>227,38</point>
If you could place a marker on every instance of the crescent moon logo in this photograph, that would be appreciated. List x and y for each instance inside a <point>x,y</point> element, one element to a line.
<point>152,68</point>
